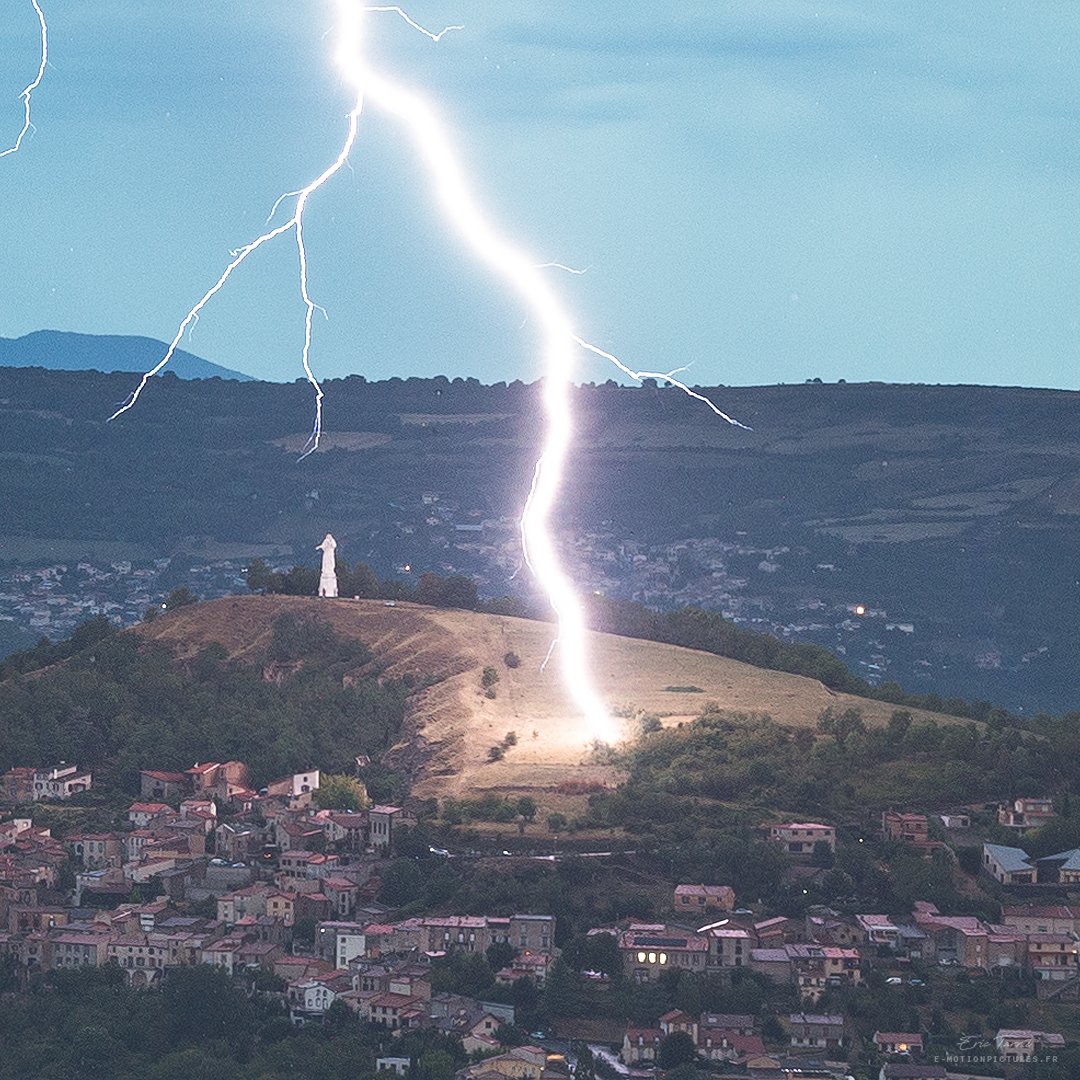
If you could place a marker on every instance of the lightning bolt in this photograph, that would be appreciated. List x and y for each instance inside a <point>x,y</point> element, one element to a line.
<point>560,342</point>
<point>34,84</point>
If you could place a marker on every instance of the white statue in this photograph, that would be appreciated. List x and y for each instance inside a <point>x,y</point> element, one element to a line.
<point>328,576</point>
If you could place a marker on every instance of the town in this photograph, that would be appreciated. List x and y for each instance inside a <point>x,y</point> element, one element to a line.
<point>268,887</point>
<point>730,576</point>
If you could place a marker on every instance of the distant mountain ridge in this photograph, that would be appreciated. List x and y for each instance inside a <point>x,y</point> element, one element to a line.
<point>60,350</point>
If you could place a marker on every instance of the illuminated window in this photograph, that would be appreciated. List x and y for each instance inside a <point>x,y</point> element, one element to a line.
<point>641,958</point>
<point>663,958</point>
<point>652,958</point>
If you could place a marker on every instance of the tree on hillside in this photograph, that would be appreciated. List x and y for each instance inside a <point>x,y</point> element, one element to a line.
<point>359,581</point>
<point>676,1049</point>
<point>180,597</point>
<point>337,791</point>
<point>499,954</point>
<point>400,883</point>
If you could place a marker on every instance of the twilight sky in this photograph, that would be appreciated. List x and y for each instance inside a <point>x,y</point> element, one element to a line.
<point>766,191</point>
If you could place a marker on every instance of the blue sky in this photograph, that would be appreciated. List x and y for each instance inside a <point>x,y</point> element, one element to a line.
<point>765,191</point>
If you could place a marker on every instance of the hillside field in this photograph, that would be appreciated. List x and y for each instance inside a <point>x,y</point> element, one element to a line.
<point>451,724</point>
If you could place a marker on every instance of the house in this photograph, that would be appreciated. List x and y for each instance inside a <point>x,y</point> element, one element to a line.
<point>843,967</point>
<point>397,1065</point>
<point>1042,919</point>
<point>641,1045</point>
<point>649,949</point>
<point>1062,868</point>
<point>693,899</point>
<point>223,953</point>
<point>818,1031</point>
<point>960,939</point>
<point>17,785</point>
<point>1025,814</point>
<point>61,782</point>
<point>898,1042</point>
<point>905,828</point>
<point>236,842</point>
<point>141,960</point>
<point>526,965</point>
<point>69,949</point>
<point>1008,865</point>
<point>1052,956</point>
<point>832,929</point>
<point>739,1023</point>
<point>340,942</point>
<point>1006,947</point>
<point>521,1063</point>
<point>777,930</point>
<point>774,964</point>
<point>879,929</point>
<point>799,837</point>
<point>392,1010</point>
<point>282,905</point>
<point>96,850</point>
<point>729,947</point>
<point>310,998</point>
<point>346,830</point>
<point>530,933</point>
<point>480,1034</point>
<point>675,1020</point>
<point>259,955</point>
<point>140,814</point>
<point>1022,1046</point>
<point>342,895</point>
<point>203,777</point>
<point>298,784</point>
<point>718,1044</point>
<point>381,821</point>
<point>158,786</point>
<point>198,809</point>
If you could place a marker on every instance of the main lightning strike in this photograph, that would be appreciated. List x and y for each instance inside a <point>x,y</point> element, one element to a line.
<point>33,85</point>
<point>560,341</point>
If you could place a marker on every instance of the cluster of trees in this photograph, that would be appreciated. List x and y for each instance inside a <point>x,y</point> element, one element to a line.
<point>87,1023</point>
<point>489,807</point>
<point>359,580</point>
<point>694,790</point>
<point>121,704</point>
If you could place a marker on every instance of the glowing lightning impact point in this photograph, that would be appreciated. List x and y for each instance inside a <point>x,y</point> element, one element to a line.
<point>560,342</point>
<point>34,84</point>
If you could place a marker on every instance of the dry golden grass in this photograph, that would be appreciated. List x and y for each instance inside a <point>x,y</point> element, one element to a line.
<point>451,725</point>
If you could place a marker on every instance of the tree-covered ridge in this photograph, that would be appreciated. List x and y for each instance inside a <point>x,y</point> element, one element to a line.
<point>88,1023</point>
<point>844,768</point>
<point>700,793</point>
<point>121,704</point>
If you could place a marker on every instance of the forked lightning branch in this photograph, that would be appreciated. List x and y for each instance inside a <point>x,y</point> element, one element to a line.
<point>561,344</point>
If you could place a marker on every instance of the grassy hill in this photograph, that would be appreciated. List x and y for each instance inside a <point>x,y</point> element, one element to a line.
<point>451,725</point>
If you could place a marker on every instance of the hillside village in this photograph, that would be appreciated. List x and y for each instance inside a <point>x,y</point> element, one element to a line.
<point>51,599</point>
<point>268,888</point>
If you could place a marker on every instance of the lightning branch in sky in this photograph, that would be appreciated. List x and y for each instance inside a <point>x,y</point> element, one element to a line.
<point>560,342</point>
<point>33,85</point>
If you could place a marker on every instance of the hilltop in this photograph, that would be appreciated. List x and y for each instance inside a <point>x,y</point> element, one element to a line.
<point>450,724</point>
<point>58,350</point>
